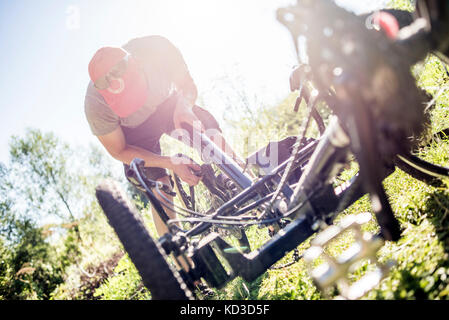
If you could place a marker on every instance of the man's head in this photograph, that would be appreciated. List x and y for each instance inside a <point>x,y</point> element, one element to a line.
<point>118,78</point>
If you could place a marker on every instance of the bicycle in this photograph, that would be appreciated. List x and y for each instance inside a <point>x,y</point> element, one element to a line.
<point>362,127</point>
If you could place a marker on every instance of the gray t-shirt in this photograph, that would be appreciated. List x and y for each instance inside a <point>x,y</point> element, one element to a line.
<point>166,72</point>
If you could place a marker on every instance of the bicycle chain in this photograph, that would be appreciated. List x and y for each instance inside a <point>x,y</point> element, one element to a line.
<point>296,258</point>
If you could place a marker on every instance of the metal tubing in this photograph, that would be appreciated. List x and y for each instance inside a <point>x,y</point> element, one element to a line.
<point>252,265</point>
<point>252,190</point>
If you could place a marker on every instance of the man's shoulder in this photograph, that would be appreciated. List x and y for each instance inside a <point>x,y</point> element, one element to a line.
<point>100,117</point>
<point>150,39</point>
<point>95,106</point>
<point>151,42</point>
<point>93,98</point>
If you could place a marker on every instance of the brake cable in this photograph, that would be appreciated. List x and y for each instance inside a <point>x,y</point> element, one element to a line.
<point>188,200</point>
<point>196,213</point>
<point>258,222</point>
<point>159,186</point>
<point>296,148</point>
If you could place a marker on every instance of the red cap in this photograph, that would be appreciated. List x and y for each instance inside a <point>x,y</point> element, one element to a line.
<point>126,94</point>
<point>388,23</point>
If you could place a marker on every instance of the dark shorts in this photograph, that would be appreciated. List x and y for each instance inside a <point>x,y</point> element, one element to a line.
<point>148,134</point>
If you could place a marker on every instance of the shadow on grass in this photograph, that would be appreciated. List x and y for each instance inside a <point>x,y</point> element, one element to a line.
<point>437,210</point>
<point>424,271</point>
<point>239,289</point>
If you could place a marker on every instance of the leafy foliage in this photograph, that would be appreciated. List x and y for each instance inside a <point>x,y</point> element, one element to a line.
<point>402,4</point>
<point>124,284</point>
<point>49,220</point>
<point>28,270</point>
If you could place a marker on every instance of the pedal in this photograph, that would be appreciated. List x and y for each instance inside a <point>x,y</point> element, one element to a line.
<point>334,273</point>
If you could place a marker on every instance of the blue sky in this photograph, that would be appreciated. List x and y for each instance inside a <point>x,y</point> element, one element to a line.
<point>47,44</point>
<point>43,69</point>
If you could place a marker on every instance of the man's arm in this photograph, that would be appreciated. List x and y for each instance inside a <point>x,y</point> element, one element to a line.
<point>188,93</point>
<point>117,147</point>
<point>187,88</point>
<point>115,144</point>
<point>176,69</point>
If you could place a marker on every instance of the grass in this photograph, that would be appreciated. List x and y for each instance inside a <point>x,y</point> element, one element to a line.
<point>421,255</point>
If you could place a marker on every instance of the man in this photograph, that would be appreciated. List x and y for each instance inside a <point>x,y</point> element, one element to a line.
<point>136,94</point>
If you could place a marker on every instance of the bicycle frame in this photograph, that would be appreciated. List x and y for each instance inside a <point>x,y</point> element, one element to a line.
<point>317,203</point>
<point>211,153</point>
<point>222,160</point>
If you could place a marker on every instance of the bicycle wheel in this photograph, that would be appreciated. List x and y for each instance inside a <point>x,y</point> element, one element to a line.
<point>422,170</point>
<point>161,279</point>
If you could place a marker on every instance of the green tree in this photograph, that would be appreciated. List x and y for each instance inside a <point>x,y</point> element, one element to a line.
<point>44,179</point>
<point>402,4</point>
<point>28,268</point>
<point>48,186</point>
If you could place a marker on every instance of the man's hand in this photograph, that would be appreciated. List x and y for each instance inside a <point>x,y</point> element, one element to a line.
<point>183,114</point>
<point>185,168</point>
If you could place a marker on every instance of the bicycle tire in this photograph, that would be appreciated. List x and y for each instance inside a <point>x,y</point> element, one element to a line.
<point>161,279</point>
<point>429,173</point>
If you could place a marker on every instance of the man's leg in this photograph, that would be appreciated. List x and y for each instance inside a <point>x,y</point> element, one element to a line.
<point>161,227</point>
<point>155,174</point>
